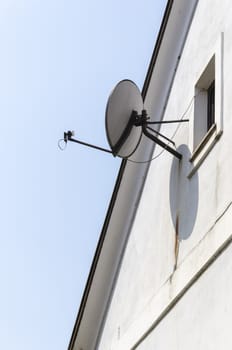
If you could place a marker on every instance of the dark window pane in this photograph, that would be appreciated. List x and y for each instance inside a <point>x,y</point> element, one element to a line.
<point>211,105</point>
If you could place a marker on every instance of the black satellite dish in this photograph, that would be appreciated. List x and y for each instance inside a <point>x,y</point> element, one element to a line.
<point>126,120</point>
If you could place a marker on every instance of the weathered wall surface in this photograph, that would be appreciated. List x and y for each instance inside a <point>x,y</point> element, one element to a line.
<point>173,289</point>
<point>201,319</point>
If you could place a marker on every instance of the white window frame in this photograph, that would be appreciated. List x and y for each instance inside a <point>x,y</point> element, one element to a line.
<point>211,137</point>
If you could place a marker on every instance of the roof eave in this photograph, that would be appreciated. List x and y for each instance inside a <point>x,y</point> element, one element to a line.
<point>118,182</point>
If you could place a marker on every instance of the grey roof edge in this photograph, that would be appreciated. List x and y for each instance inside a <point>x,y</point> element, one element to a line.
<point>157,47</point>
<point>96,255</point>
<point>117,185</point>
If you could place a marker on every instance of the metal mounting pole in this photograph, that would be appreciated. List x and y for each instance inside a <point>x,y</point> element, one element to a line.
<point>168,121</point>
<point>68,137</point>
<point>160,143</point>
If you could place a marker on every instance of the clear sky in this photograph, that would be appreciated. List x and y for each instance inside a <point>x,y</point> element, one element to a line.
<point>59,61</point>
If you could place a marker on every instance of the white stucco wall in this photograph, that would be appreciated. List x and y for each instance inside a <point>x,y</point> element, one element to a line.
<point>202,318</point>
<point>164,256</point>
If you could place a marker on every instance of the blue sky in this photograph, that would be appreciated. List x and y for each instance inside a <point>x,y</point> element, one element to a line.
<point>59,62</point>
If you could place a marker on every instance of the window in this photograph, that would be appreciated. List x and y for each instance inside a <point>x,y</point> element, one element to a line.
<point>206,124</point>
<point>204,106</point>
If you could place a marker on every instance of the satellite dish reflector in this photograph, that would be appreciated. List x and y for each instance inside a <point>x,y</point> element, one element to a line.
<point>126,121</point>
<point>123,136</point>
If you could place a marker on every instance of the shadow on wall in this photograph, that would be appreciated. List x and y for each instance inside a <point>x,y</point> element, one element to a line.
<point>183,194</point>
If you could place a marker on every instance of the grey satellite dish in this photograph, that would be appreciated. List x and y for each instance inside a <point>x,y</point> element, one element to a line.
<point>122,134</point>
<point>126,121</point>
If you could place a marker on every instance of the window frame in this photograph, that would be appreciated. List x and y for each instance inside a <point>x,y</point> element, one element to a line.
<point>214,130</point>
